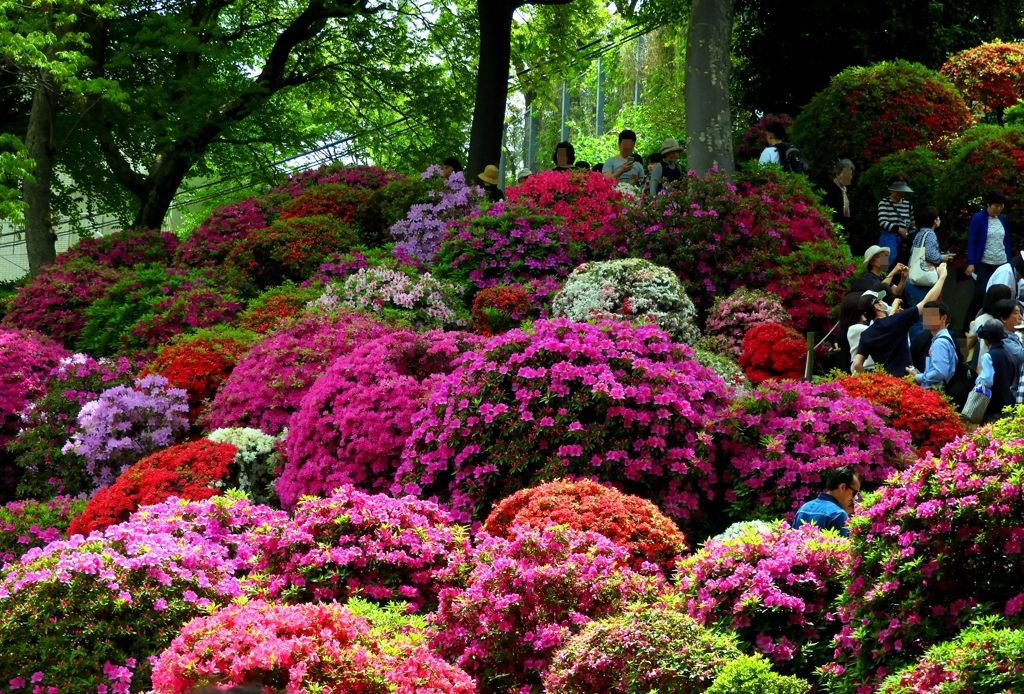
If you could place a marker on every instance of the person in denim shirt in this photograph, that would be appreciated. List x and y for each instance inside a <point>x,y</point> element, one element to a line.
<point>832,508</point>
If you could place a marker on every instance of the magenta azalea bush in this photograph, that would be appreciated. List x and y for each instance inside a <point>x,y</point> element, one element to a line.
<point>509,245</point>
<point>773,589</point>
<point>185,311</point>
<point>310,649</point>
<point>369,545</point>
<point>26,360</point>
<point>85,614</point>
<point>360,177</point>
<point>934,549</point>
<point>419,235</point>
<point>790,435</point>
<point>733,316</point>
<point>31,523</point>
<point>525,596</point>
<point>269,382</point>
<point>353,424</point>
<point>125,424</point>
<point>210,242</point>
<point>614,402</point>
<point>123,249</point>
<point>647,648</point>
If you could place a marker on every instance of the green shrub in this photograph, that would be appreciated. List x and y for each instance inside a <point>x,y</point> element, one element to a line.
<point>753,675</point>
<point>867,113</point>
<point>646,649</point>
<point>923,170</point>
<point>988,158</point>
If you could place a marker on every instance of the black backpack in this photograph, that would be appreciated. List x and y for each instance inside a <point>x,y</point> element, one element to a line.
<point>962,382</point>
<point>790,159</point>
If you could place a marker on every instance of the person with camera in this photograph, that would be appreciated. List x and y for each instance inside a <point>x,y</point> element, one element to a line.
<point>626,167</point>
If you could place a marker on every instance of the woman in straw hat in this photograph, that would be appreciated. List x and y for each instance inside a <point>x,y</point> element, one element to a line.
<point>896,220</point>
<point>668,170</point>
<point>490,179</point>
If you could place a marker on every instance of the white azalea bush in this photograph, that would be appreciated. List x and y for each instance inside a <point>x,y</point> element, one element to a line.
<point>422,300</point>
<point>256,460</point>
<point>632,289</point>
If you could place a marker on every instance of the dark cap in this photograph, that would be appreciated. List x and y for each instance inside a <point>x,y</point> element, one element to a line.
<point>992,330</point>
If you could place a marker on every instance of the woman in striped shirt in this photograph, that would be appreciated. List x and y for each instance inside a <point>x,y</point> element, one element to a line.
<point>895,220</point>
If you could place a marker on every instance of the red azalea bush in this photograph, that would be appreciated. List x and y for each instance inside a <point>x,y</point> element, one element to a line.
<point>289,249</point>
<point>350,205</point>
<point>752,142</point>
<point>274,305</point>
<point>373,546</point>
<point>305,649</point>
<point>629,521</point>
<point>31,523</point>
<point>647,648</point>
<point>499,309</point>
<point>50,424</point>
<point>589,202</point>
<point>185,311</point>
<point>26,360</point>
<point>772,589</point>
<point>768,233</point>
<point>199,365</point>
<point>269,382</point>
<point>990,76</point>
<point>934,549</point>
<point>789,436</point>
<point>54,302</point>
<point>123,249</point>
<point>352,425</point>
<point>772,351</point>
<point>925,414</point>
<point>869,112</point>
<point>613,402</point>
<point>210,242</point>
<point>525,596</point>
<point>192,471</point>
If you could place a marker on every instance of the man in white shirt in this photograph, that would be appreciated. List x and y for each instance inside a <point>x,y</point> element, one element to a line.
<point>625,168</point>
<point>1010,275</point>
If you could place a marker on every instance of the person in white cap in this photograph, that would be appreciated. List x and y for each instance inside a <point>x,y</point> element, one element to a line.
<point>876,261</point>
<point>668,170</point>
<point>522,175</point>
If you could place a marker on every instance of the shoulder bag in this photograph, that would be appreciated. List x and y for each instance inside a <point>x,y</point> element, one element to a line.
<point>922,273</point>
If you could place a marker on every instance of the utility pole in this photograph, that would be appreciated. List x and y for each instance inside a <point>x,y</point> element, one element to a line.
<point>565,111</point>
<point>600,96</point>
<point>639,71</point>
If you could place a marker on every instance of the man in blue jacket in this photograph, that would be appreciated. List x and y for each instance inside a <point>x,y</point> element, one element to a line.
<point>833,507</point>
<point>988,247</point>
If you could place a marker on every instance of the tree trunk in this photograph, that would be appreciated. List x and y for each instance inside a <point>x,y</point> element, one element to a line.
<point>491,86</point>
<point>708,117</point>
<point>40,240</point>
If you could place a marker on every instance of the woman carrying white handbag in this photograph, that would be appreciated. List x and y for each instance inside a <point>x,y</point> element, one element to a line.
<point>924,258</point>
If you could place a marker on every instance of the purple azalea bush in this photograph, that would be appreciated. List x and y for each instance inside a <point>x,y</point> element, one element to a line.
<point>125,424</point>
<point>419,235</point>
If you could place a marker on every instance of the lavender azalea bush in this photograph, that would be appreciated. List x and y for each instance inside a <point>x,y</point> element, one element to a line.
<point>419,234</point>
<point>126,424</point>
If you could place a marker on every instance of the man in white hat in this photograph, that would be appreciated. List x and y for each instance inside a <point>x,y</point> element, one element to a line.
<point>522,175</point>
<point>876,261</point>
<point>668,170</point>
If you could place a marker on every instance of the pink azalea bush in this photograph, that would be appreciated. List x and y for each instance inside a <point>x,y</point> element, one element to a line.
<point>589,202</point>
<point>210,242</point>
<point>31,523</point>
<point>26,360</point>
<point>269,382</point>
<point>420,233</point>
<point>359,177</point>
<point>85,614</point>
<point>613,402</point>
<point>125,424</point>
<point>509,245</point>
<point>773,589</point>
<point>934,549</point>
<point>419,299</point>
<point>733,316</point>
<point>185,311</point>
<point>307,649</point>
<point>647,648</point>
<point>525,596</point>
<point>369,545</point>
<point>790,435</point>
<point>352,425</point>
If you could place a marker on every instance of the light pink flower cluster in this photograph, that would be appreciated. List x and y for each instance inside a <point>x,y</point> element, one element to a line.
<point>422,300</point>
<point>299,649</point>
<point>772,588</point>
<point>525,596</point>
<point>352,425</point>
<point>269,382</point>
<point>733,316</point>
<point>615,402</point>
<point>374,546</point>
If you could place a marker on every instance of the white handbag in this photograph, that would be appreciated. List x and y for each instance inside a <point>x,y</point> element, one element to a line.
<point>922,273</point>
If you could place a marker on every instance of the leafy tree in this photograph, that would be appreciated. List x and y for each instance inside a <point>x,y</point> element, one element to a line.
<point>709,119</point>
